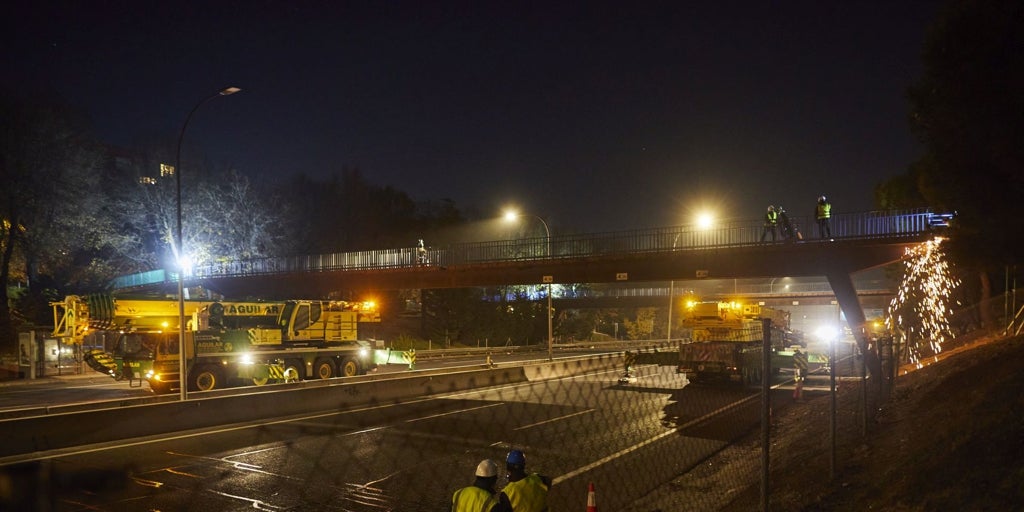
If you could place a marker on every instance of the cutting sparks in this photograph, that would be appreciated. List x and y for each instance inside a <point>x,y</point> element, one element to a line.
<point>918,317</point>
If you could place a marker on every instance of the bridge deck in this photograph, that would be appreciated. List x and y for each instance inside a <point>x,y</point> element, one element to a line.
<point>730,250</point>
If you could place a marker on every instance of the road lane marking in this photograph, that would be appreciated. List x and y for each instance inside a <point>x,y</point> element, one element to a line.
<point>449,413</point>
<point>559,418</point>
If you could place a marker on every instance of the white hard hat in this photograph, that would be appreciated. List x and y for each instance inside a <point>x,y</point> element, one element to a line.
<point>487,468</point>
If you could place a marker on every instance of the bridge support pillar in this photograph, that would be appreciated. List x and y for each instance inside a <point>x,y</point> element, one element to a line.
<point>846,295</point>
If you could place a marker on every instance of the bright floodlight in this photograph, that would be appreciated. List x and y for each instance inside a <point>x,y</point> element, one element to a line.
<point>826,333</point>
<point>705,220</point>
<point>511,215</point>
<point>185,264</point>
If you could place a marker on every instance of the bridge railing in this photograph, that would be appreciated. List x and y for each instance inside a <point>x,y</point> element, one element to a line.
<point>732,233</point>
<point>710,288</point>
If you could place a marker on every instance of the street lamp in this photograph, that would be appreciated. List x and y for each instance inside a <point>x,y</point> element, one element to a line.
<point>671,295</point>
<point>704,221</point>
<point>180,249</point>
<point>830,335</point>
<point>512,216</point>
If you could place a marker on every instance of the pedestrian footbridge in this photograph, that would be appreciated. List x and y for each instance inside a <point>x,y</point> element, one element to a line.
<point>730,250</point>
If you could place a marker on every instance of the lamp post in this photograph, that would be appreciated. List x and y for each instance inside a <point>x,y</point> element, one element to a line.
<point>830,335</point>
<point>178,240</point>
<point>671,295</point>
<point>832,407</point>
<point>704,222</point>
<point>512,216</point>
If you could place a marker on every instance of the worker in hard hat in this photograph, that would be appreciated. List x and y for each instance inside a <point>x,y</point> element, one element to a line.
<point>771,222</point>
<point>823,212</point>
<point>528,492</point>
<point>482,496</point>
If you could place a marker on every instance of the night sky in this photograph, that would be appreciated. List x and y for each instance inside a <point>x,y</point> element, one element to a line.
<point>594,115</point>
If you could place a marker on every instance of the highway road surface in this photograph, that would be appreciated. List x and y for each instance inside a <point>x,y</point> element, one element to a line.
<point>625,438</point>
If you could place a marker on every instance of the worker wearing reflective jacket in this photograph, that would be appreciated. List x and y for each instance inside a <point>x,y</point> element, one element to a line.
<point>771,222</point>
<point>824,213</point>
<point>526,492</point>
<point>481,496</point>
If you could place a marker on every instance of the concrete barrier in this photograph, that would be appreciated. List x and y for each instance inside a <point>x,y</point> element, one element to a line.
<point>67,429</point>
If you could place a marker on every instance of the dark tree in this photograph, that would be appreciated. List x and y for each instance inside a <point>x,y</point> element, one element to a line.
<point>51,204</point>
<point>968,109</point>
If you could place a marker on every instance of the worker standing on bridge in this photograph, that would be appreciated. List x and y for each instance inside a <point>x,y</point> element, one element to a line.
<point>421,253</point>
<point>771,222</point>
<point>823,212</point>
<point>799,373</point>
<point>526,492</point>
<point>789,230</point>
<point>482,496</point>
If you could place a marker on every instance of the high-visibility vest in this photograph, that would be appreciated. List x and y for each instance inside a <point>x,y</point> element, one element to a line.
<point>771,218</point>
<point>824,210</point>
<point>473,499</point>
<point>528,495</point>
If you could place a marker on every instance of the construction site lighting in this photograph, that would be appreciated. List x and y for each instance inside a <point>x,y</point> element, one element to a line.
<point>705,220</point>
<point>182,380</point>
<point>512,215</point>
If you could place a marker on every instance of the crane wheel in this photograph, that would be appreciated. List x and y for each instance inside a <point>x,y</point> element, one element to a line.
<point>205,378</point>
<point>291,374</point>
<point>293,371</point>
<point>323,368</point>
<point>349,368</point>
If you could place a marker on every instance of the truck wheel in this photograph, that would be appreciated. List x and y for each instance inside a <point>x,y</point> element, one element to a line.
<point>291,375</point>
<point>349,368</point>
<point>294,371</point>
<point>205,378</point>
<point>323,369</point>
<point>259,381</point>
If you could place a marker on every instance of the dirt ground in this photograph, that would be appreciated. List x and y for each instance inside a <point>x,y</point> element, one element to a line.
<point>951,437</point>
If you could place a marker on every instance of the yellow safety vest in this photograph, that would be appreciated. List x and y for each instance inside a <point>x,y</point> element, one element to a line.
<point>824,210</point>
<point>473,499</point>
<point>528,495</point>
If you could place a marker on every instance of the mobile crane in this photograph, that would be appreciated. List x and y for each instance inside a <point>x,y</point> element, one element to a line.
<point>122,331</point>
<point>226,343</point>
<point>727,341</point>
<point>311,340</point>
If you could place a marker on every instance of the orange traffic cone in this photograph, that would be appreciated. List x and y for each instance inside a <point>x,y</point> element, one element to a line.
<point>591,499</point>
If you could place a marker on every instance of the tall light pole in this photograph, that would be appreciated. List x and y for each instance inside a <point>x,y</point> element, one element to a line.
<point>182,381</point>
<point>510,216</point>
<point>704,221</point>
<point>671,295</point>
